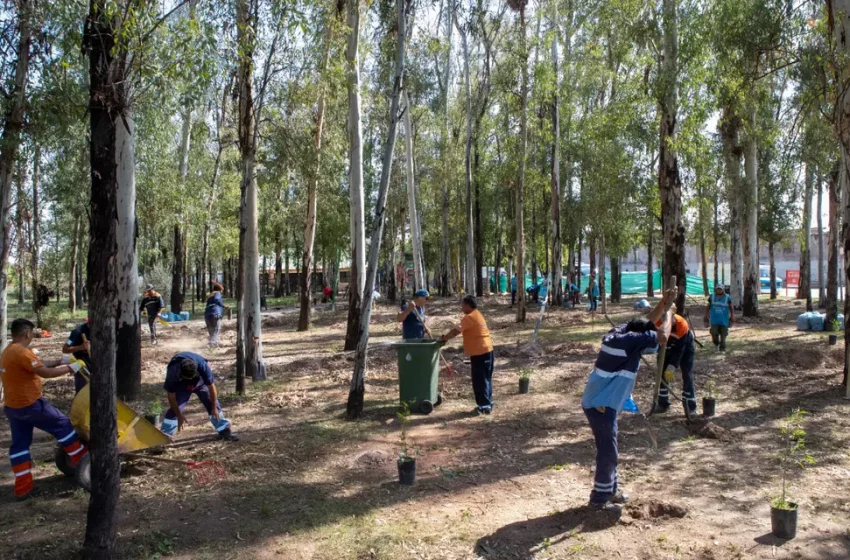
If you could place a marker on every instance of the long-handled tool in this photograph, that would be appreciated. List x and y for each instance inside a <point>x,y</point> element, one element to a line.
<point>449,369</point>
<point>662,352</point>
<point>205,472</point>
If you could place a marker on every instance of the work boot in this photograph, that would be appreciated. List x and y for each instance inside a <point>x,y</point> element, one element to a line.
<point>619,498</point>
<point>661,409</point>
<point>605,506</point>
<point>227,435</point>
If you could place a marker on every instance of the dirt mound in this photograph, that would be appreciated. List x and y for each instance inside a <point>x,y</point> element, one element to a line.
<point>655,509</point>
<point>574,348</point>
<point>526,350</point>
<point>701,427</point>
<point>289,399</point>
<point>786,360</point>
<point>760,320</point>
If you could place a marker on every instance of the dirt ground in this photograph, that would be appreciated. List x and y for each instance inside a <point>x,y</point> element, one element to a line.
<point>304,483</point>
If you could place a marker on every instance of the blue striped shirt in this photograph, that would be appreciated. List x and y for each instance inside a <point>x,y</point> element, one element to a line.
<point>613,377</point>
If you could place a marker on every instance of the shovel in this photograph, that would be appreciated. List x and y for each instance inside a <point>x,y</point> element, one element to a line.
<point>448,366</point>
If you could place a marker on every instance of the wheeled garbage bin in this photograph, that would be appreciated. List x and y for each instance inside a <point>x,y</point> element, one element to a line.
<point>419,374</point>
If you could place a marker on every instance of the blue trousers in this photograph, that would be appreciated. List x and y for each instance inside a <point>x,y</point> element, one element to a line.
<point>482,379</point>
<point>169,423</point>
<point>604,426</point>
<point>594,303</point>
<point>680,355</point>
<point>213,327</point>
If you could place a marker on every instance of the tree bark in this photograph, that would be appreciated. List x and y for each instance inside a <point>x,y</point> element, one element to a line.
<point>716,240</point>
<point>444,153</point>
<point>616,280</point>
<point>703,257</point>
<point>305,313</point>
<point>772,265</point>
<point>752,284</point>
<point>602,286</point>
<point>22,236</point>
<point>650,289</point>
<point>248,314</point>
<point>819,216</point>
<point>357,388</point>
<point>469,285</point>
<point>177,272</point>
<point>419,282</point>
<point>831,303</point>
<point>72,269</point>
<point>557,264</point>
<point>669,180</point>
<point>520,188</point>
<point>357,280</point>
<point>804,291</point>
<point>36,241</point>
<point>730,126</point>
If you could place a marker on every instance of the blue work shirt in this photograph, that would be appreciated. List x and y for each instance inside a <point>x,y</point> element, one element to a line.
<point>594,289</point>
<point>174,383</point>
<point>412,328</point>
<point>215,305</point>
<point>719,309</point>
<point>76,339</point>
<point>513,284</point>
<point>613,377</point>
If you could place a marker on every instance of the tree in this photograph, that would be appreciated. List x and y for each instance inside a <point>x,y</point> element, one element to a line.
<point>415,229</point>
<point>519,218</point>
<point>555,203</point>
<point>471,269</point>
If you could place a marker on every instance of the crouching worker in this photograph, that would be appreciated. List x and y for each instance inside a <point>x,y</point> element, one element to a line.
<point>609,389</point>
<point>22,372</point>
<point>189,373</point>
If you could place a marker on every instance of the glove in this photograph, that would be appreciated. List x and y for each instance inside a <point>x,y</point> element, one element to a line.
<point>66,359</point>
<point>669,376</point>
<point>76,365</point>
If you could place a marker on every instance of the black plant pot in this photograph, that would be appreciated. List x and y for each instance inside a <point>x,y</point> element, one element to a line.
<point>407,472</point>
<point>783,522</point>
<point>708,406</point>
<point>523,385</point>
<point>153,419</point>
<point>833,339</point>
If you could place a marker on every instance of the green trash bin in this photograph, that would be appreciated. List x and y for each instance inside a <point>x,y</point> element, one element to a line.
<point>419,374</point>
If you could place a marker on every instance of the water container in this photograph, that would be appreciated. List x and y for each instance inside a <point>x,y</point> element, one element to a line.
<point>184,316</point>
<point>803,322</point>
<point>817,322</point>
<point>641,304</point>
<point>166,316</point>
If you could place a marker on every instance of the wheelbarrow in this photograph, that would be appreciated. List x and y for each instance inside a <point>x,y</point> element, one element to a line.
<point>135,433</point>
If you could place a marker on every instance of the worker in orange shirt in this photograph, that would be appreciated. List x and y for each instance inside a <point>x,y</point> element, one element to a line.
<point>679,355</point>
<point>478,345</point>
<point>22,372</point>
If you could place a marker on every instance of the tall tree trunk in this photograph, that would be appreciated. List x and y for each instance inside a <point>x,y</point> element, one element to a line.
<point>419,282</point>
<point>578,261</point>
<point>248,312</point>
<point>357,280</point>
<point>716,240</point>
<point>557,259</point>
<point>831,303</point>
<point>730,127</point>
<point>520,188</point>
<point>278,266</point>
<point>478,234</point>
<point>357,388</point>
<point>602,286</point>
<point>669,181</point>
<point>445,255</point>
<point>36,241</point>
<point>469,286</point>
<point>72,272</point>
<point>752,284</point>
<point>650,289</point>
<point>702,225</point>
<point>22,236</point>
<point>305,312</point>
<point>804,291</point>
<point>616,280</point>
<point>772,265</point>
<point>819,216</point>
<point>177,272</point>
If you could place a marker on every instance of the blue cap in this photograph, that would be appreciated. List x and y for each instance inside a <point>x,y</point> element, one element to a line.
<point>421,293</point>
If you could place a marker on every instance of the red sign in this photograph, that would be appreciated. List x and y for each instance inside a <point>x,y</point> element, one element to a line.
<point>792,278</point>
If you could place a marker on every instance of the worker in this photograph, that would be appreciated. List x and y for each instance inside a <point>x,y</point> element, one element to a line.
<point>478,345</point>
<point>679,356</point>
<point>513,290</point>
<point>412,317</point>
<point>593,293</point>
<point>79,345</point>
<point>213,313</point>
<point>153,304</point>
<point>719,316</point>
<point>609,388</point>
<point>189,373</point>
<point>22,371</point>
<point>575,295</point>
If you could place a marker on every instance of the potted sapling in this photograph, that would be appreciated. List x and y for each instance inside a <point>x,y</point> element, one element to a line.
<point>406,458</point>
<point>709,401</point>
<point>783,511</point>
<point>153,413</point>
<point>524,379</point>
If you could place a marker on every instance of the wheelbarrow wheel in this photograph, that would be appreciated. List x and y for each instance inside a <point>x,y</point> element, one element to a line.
<point>83,473</point>
<point>439,400</point>
<point>63,462</point>
<point>427,407</point>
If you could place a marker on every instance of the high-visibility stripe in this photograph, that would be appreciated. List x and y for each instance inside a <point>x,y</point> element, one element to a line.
<point>614,351</point>
<point>69,436</point>
<point>19,454</point>
<point>22,473</point>
<point>608,374</point>
<point>25,466</point>
<point>72,453</point>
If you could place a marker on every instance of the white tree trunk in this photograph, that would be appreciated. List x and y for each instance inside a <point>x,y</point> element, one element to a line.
<point>557,264</point>
<point>470,269</point>
<point>752,284</point>
<point>357,278</point>
<point>445,255</point>
<point>819,214</point>
<point>419,282</point>
<point>730,138</point>
<point>520,189</point>
<point>357,388</point>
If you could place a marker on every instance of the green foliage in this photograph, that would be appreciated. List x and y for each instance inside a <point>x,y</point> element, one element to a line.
<point>710,389</point>
<point>793,453</point>
<point>154,407</point>
<point>405,454</point>
<point>525,373</point>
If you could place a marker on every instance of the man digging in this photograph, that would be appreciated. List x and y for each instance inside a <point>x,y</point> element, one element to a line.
<point>610,387</point>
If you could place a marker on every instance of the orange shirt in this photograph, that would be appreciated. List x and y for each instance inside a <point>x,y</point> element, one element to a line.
<point>678,329</point>
<point>21,385</point>
<point>476,335</point>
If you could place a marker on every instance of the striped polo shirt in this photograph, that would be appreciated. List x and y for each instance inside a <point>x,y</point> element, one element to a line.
<point>613,377</point>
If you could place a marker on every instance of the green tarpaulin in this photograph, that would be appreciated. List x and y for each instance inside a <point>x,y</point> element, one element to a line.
<point>635,283</point>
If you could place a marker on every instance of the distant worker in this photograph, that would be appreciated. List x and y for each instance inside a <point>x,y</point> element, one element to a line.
<point>593,294</point>
<point>412,317</point>
<point>79,344</point>
<point>21,372</point>
<point>719,316</point>
<point>574,294</point>
<point>478,345</point>
<point>213,313</point>
<point>679,356</point>
<point>513,290</point>
<point>153,304</point>
<point>187,374</point>
<point>609,391</point>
